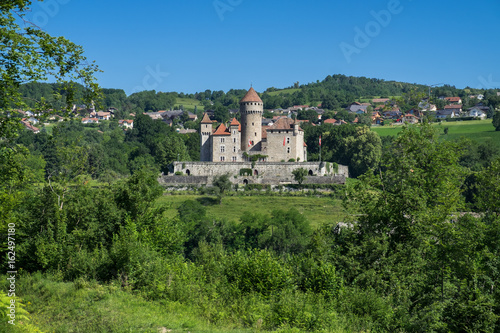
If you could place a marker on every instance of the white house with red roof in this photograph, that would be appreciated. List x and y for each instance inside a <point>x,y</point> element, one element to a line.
<point>454,100</point>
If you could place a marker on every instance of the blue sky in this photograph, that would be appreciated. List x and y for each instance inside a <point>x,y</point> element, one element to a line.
<point>193,45</point>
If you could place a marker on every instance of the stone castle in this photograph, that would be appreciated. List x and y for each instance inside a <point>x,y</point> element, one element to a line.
<point>237,142</point>
<point>250,153</point>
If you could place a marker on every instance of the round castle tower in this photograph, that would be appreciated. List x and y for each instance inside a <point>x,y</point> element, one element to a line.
<point>251,110</point>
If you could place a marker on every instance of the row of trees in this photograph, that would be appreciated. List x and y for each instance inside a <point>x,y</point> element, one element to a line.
<point>105,151</point>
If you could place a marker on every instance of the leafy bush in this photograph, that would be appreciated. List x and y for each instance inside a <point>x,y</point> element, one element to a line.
<point>245,172</point>
<point>258,271</point>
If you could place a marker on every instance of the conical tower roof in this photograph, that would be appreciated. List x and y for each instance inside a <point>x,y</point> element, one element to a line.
<point>206,119</point>
<point>251,96</point>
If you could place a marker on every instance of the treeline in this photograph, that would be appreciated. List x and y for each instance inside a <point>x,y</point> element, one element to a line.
<point>335,92</point>
<point>104,151</point>
<point>408,259</point>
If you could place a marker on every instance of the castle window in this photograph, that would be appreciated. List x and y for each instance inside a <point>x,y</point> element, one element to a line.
<point>288,150</point>
<point>255,133</point>
<point>234,132</point>
<point>222,158</point>
<point>221,139</point>
<point>234,158</point>
<point>222,149</point>
<point>234,140</point>
<point>287,140</point>
<point>234,149</point>
<point>252,124</point>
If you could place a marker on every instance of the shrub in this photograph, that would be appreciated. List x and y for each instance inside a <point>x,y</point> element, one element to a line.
<point>245,172</point>
<point>258,271</point>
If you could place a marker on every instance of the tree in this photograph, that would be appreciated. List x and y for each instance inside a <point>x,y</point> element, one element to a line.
<point>363,150</point>
<point>221,184</point>
<point>29,54</point>
<point>404,220</point>
<point>488,185</point>
<point>299,175</point>
<point>496,120</point>
<point>310,115</point>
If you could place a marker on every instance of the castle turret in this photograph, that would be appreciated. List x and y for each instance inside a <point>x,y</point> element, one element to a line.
<point>205,134</point>
<point>251,110</point>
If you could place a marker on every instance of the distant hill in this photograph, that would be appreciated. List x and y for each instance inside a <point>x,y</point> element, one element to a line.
<point>334,92</point>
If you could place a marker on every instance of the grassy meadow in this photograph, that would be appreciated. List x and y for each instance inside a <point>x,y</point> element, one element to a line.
<point>317,210</point>
<point>189,103</point>
<point>87,306</point>
<point>477,130</point>
<point>284,91</point>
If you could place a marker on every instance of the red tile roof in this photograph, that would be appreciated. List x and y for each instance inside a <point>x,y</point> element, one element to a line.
<point>251,96</point>
<point>264,132</point>
<point>234,122</point>
<point>453,106</point>
<point>452,99</point>
<point>283,124</point>
<point>380,100</point>
<point>330,121</point>
<point>222,130</point>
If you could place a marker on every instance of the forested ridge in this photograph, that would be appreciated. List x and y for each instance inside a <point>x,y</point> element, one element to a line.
<point>334,92</point>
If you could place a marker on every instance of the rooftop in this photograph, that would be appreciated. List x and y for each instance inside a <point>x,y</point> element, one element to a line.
<point>251,96</point>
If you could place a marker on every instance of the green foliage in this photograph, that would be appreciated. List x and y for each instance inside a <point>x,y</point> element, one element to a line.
<point>222,184</point>
<point>363,150</point>
<point>488,188</point>
<point>259,271</point>
<point>138,193</point>
<point>496,121</point>
<point>299,175</point>
<point>245,172</point>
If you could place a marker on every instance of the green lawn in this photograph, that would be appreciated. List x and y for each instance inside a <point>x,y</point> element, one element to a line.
<point>478,130</point>
<point>316,210</point>
<point>189,103</point>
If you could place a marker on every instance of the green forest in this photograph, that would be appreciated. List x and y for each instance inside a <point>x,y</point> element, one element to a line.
<point>90,244</point>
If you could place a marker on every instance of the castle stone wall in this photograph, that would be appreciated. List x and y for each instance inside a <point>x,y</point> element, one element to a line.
<point>274,173</point>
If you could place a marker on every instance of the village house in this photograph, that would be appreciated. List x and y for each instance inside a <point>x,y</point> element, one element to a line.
<point>456,108</point>
<point>478,111</point>
<point>380,100</point>
<point>393,113</point>
<point>90,121</point>
<point>450,113</point>
<point>409,118</point>
<point>456,100</point>
<point>30,127</point>
<point>126,123</point>
<point>102,115</point>
<point>357,107</point>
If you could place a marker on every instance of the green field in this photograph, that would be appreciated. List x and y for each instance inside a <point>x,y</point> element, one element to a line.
<point>284,91</point>
<point>477,130</point>
<point>369,100</point>
<point>316,210</point>
<point>189,103</point>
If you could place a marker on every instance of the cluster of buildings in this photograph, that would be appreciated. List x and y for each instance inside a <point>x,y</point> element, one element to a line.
<point>248,139</point>
<point>383,109</point>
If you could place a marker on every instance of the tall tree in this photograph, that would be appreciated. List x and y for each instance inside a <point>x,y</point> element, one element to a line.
<point>29,54</point>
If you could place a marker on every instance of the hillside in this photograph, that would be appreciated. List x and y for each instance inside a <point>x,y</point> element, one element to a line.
<point>334,92</point>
